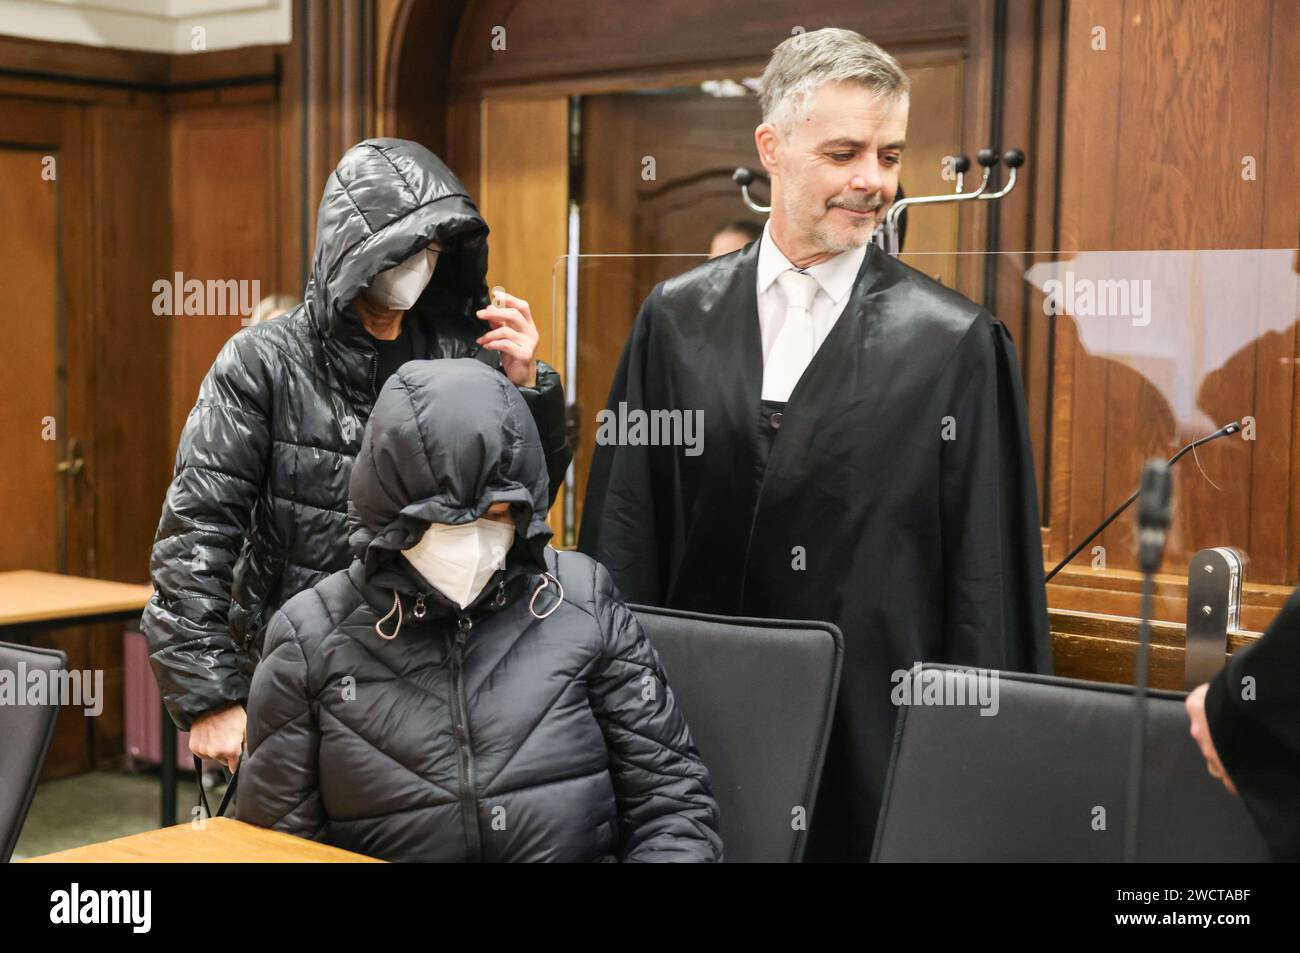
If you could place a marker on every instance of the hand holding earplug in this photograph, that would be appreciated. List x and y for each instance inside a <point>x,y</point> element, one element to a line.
<point>514,334</point>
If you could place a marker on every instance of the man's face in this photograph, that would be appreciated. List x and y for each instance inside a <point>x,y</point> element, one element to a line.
<point>836,172</point>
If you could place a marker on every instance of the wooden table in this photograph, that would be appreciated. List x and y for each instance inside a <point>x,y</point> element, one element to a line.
<point>49,600</point>
<point>32,601</point>
<point>221,840</point>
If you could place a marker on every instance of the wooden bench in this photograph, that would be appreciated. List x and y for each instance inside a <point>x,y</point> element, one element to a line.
<point>1103,648</point>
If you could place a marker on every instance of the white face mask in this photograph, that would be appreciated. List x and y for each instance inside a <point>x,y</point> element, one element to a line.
<point>459,560</point>
<point>400,287</point>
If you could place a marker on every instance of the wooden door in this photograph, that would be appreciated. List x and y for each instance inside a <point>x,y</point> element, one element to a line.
<point>46,507</point>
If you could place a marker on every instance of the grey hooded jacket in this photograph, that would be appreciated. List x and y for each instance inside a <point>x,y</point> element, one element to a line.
<point>256,511</point>
<point>482,734</point>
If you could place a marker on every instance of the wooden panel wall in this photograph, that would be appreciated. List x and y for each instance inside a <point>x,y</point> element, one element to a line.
<point>1024,37</point>
<point>30,392</point>
<point>413,44</point>
<point>571,42</point>
<point>523,194</point>
<point>132,445</point>
<point>223,229</point>
<point>934,132</point>
<point>113,242</point>
<point>1188,89</point>
<point>156,148</point>
<point>130,450</point>
<point>42,510</point>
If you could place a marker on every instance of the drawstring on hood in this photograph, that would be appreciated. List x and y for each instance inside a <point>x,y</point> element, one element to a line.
<point>538,591</point>
<point>498,602</point>
<point>397,607</point>
<point>418,613</point>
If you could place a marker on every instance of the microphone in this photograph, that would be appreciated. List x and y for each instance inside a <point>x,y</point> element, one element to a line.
<point>1155,495</point>
<point>1154,498</point>
<point>1223,431</point>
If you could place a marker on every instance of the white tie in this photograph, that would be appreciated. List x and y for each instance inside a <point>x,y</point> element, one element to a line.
<point>793,349</point>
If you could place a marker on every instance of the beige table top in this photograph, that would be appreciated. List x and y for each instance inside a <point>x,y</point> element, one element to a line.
<point>28,596</point>
<point>222,840</point>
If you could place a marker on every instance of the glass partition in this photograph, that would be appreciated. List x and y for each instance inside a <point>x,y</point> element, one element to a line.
<point>1124,356</point>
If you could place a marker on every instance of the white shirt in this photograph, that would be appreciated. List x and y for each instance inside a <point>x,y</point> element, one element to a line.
<point>835,278</point>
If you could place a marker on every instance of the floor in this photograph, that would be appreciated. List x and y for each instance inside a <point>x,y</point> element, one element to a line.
<point>100,806</point>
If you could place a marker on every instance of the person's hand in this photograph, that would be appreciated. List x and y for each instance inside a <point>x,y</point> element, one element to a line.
<point>219,735</point>
<point>1201,732</point>
<point>513,334</point>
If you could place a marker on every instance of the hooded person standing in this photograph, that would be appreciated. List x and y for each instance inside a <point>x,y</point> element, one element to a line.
<point>463,692</point>
<point>865,457</point>
<point>256,511</point>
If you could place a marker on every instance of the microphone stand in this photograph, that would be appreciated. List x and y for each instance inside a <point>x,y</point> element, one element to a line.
<point>1221,432</point>
<point>1153,524</point>
<point>1137,744</point>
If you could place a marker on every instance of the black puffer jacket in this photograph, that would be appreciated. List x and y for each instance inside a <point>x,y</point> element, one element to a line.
<point>256,511</point>
<point>483,734</point>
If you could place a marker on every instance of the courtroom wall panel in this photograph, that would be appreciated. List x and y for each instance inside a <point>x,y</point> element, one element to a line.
<point>1178,134</point>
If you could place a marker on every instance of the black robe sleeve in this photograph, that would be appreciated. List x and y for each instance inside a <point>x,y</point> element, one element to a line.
<point>1258,738</point>
<point>995,601</point>
<point>623,524</point>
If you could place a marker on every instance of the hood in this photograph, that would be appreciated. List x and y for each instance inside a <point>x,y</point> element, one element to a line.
<point>446,440</point>
<point>386,200</point>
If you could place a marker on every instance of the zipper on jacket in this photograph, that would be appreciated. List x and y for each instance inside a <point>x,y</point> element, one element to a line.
<point>374,371</point>
<point>465,744</point>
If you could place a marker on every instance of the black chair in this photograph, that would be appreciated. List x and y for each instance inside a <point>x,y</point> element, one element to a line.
<point>1027,783</point>
<point>759,696</point>
<point>25,733</point>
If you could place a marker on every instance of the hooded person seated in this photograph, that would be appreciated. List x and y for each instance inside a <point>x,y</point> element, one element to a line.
<point>463,692</point>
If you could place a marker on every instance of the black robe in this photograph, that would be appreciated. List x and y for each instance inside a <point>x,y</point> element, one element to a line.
<point>1258,739</point>
<point>896,499</point>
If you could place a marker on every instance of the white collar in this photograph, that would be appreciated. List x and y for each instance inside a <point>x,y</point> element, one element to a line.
<point>835,276</point>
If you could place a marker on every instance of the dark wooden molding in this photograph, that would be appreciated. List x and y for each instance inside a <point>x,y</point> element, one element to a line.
<point>78,63</point>
<point>244,66</point>
<point>416,78</point>
<point>572,43</point>
<point>102,68</point>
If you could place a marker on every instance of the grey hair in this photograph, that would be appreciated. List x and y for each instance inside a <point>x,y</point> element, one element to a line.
<point>806,61</point>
